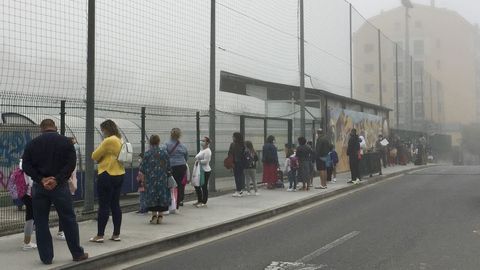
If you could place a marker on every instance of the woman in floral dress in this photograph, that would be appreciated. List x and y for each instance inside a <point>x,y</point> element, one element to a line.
<point>155,167</point>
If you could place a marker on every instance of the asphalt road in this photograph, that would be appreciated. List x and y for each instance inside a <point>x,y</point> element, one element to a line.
<point>426,220</point>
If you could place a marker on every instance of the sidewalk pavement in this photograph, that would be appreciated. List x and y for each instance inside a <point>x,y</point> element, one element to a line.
<point>191,224</point>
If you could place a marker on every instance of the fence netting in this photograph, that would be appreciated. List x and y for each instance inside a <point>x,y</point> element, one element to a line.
<point>156,55</point>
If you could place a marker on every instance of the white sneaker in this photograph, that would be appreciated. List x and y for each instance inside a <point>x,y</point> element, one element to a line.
<point>29,246</point>
<point>248,193</point>
<point>199,205</point>
<point>290,190</point>
<point>334,180</point>
<point>237,194</point>
<point>166,213</point>
<point>357,181</point>
<point>61,236</point>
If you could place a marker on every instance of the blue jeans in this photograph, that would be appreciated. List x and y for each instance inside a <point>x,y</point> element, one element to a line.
<point>109,188</point>
<point>292,179</point>
<point>61,198</point>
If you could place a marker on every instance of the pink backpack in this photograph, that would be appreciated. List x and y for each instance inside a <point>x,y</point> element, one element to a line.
<point>16,186</point>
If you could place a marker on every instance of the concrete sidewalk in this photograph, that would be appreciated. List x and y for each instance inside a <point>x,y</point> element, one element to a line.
<point>191,224</point>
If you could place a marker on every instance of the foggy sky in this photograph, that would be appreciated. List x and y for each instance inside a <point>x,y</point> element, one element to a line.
<point>470,9</point>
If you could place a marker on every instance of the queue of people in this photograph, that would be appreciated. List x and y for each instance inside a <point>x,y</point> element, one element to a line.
<point>50,161</point>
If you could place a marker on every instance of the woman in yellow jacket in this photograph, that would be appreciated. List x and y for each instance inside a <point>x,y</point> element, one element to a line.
<point>109,182</point>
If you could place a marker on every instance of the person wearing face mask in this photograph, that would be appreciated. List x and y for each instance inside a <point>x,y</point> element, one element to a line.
<point>270,162</point>
<point>203,158</point>
<point>109,182</point>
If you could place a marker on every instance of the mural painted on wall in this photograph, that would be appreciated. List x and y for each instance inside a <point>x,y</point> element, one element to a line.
<point>12,143</point>
<point>343,121</point>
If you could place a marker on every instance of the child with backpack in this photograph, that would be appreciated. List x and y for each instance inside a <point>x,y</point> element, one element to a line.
<point>291,168</point>
<point>332,162</point>
<point>251,159</point>
<point>20,188</point>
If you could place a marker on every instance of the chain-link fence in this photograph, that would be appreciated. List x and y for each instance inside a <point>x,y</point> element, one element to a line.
<point>152,73</point>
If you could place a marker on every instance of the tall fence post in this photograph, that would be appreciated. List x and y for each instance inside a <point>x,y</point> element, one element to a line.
<point>212,107</point>
<point>265,129</point>
<point>62,117</point>
<point>302,72</point>
<point>242,125</point>
<point>397,103</point>
<point>90,112</point>
<point>412,108</point>
<point>290,132</point>
<point>351,54</point>
<point>380,82</point>
<point>197,120</point>
<point>144,130</point>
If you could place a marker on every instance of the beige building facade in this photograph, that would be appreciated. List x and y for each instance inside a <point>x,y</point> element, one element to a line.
<point>444,67</point>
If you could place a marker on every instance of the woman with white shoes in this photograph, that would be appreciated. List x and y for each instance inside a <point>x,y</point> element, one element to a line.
<point>202,159</point>
<point>29,223</point>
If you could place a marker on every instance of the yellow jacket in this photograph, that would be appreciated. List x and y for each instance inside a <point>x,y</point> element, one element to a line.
<point>106,155</point>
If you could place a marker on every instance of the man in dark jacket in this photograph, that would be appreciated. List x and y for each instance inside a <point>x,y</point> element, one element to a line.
<point>322,147</point>
<point>353,156</point>
<point>50,160</point>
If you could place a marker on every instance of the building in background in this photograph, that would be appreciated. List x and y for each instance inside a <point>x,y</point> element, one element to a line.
<point>445,67</point>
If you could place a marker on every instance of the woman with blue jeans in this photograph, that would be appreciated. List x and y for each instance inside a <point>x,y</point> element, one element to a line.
<point>109,181</point>
<point>178,153</point>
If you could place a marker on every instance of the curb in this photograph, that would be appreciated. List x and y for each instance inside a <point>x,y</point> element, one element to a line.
<point>138,251</point>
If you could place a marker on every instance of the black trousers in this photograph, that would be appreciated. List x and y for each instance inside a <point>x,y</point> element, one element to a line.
<point>27,200</point>
<point>329,173</point>
<point>178,172</point>
<point>354,167</point>
<point>61,198</point>
<point>109,188</point>
<point>202,191</point>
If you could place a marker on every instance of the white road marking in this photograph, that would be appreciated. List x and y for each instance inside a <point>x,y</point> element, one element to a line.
<point>327,247</point>
<point>293,266</point>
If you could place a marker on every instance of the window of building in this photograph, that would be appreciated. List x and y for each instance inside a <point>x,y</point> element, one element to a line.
<point>418,89</point>
<point>368,48</point>
<point>418,47</point>
<point>369,68</point>
<point>419,111</point>
<point>418,68</point>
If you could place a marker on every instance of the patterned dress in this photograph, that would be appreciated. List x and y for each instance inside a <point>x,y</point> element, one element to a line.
<point>155,166</point>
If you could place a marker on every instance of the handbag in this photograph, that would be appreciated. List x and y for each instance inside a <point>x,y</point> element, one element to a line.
<point>196,175</point>
<point>173,202</point>
<point>171,183</point>
<point>229,162</point>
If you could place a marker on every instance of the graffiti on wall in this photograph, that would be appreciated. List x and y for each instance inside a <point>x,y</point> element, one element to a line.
<point>12,143</point>
<point>342,121</point>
